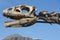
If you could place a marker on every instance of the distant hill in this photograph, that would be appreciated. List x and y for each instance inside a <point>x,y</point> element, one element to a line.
<point>18,37</point>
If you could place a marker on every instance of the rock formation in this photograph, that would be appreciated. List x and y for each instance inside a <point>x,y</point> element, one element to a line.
<point>18,37</point>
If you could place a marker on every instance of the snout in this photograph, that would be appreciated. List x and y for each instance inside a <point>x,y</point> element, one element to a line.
<point>5,13</point>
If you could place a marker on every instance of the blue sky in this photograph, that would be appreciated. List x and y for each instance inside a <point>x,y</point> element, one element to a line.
<point>38,30</point>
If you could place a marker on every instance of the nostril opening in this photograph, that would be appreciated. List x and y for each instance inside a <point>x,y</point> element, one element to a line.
<point>10,9</point>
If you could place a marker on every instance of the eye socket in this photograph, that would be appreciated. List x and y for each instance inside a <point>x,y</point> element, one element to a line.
<point>17,10</point>
<point>10,9</point>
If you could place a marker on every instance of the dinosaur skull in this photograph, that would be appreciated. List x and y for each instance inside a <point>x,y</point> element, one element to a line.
<point>17,12</point>
<point>21,18</point>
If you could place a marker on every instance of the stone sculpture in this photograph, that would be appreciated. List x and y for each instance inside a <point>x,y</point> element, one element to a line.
<point>24,19</point>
